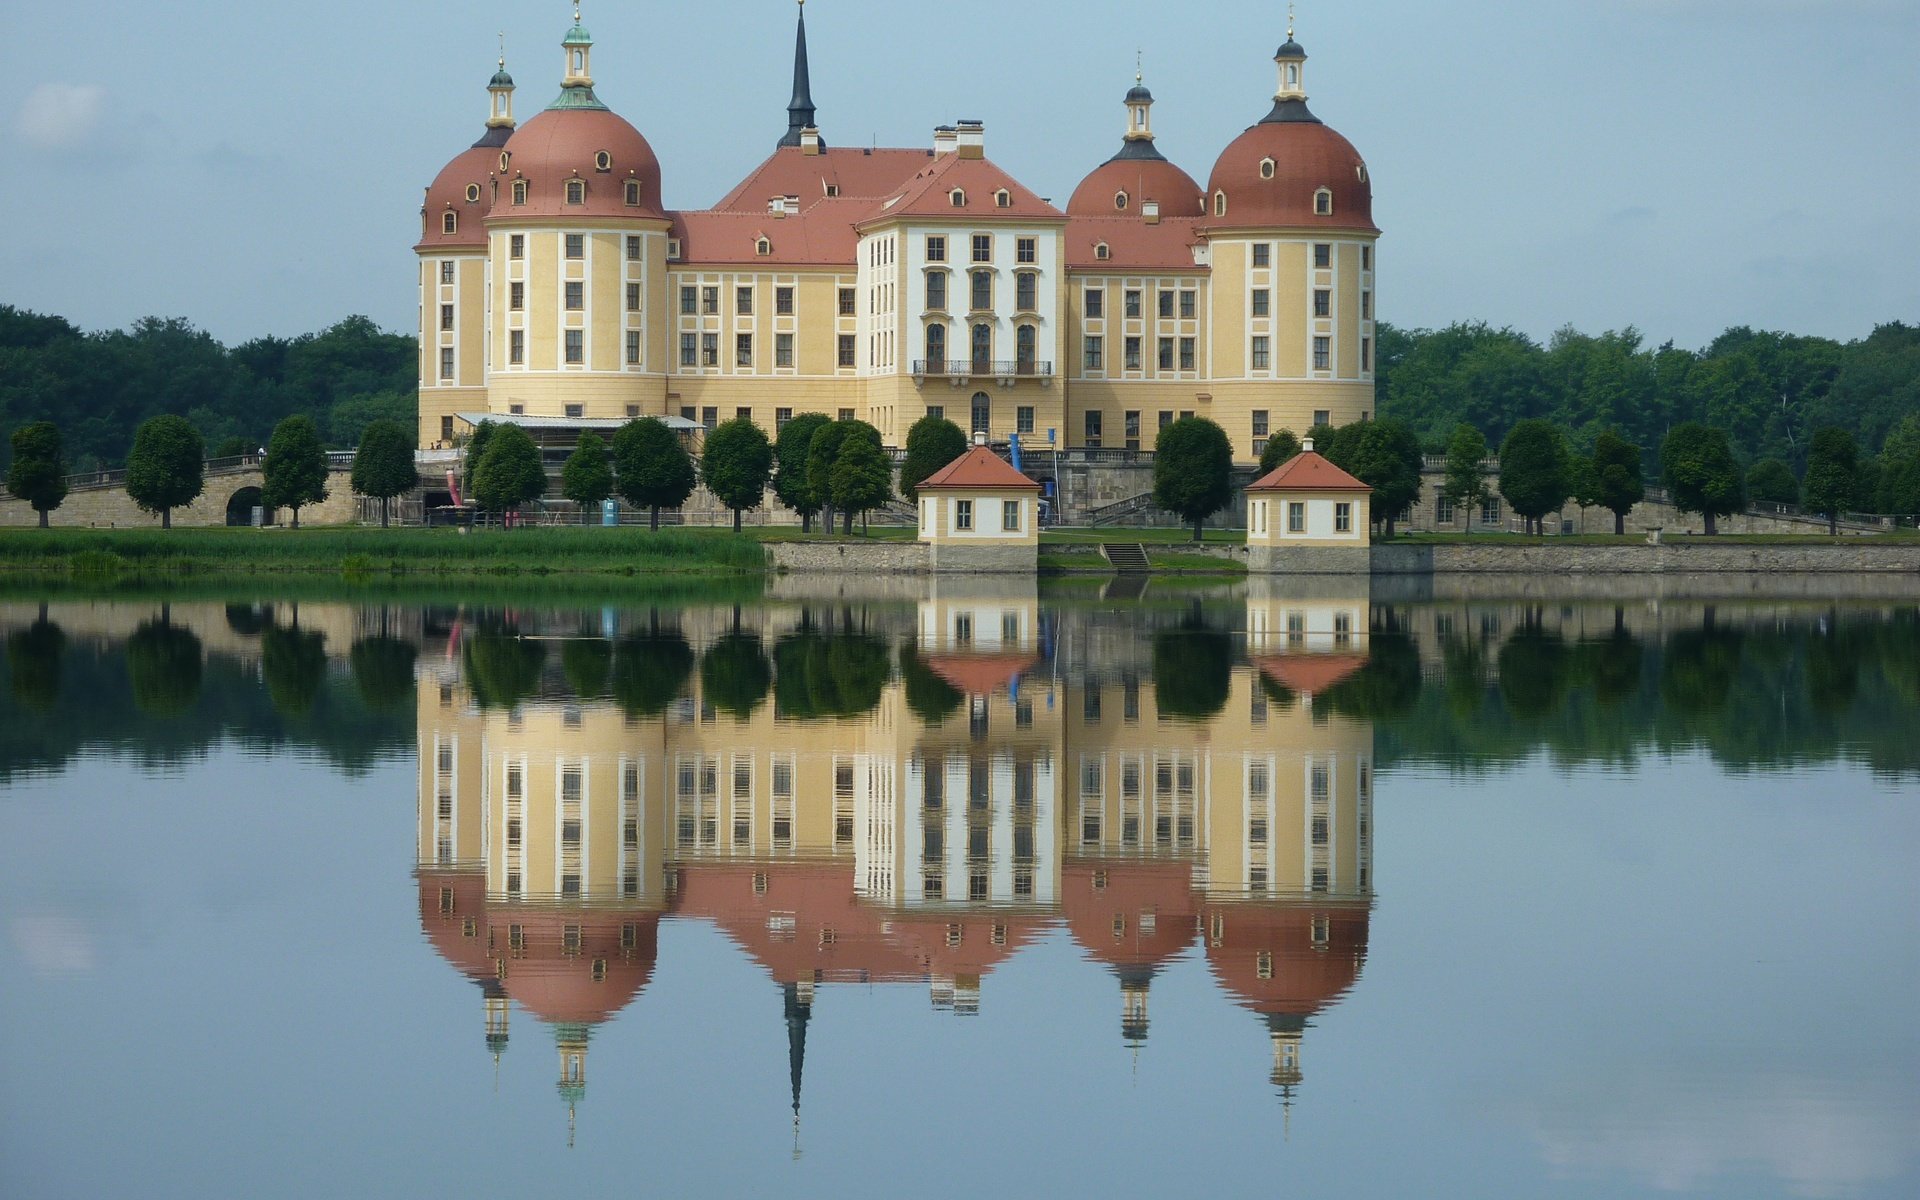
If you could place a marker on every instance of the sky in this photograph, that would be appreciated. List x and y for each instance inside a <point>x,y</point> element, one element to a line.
<point>1679,166</point>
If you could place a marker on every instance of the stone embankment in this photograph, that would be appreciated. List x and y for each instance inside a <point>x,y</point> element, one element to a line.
<point>1860,556</point>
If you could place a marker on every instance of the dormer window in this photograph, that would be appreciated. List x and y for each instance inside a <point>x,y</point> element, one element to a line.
<point>763,247</point>
<point>473,193</point>
<point>1219,204</point>
<point>958,196</point>
<point>1360,172</point>
<point>1266,168</point>
<point>449,222</point>
<point>505,158</point>
<point>633,192</point>
<point>833,190</point>
<point>576,191</point>
<point>1121,200</point>
<point>1103,252</point>
<point>1003,199</point>
<point>1323,203</point>
<point>603,161</point>
<point>519,191</point>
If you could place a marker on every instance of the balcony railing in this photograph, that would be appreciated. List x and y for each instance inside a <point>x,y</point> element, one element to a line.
<point>969,368</point>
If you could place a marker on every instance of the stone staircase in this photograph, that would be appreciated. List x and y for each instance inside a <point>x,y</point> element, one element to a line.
<point>1128,558</point>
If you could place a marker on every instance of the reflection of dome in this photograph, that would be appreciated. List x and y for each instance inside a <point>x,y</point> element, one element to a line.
<point>1291,959</point>
<point>451,903</point>
<point>563,144</point>
<point>1106,921</point>
<point>799,921</point>
<point>576,967</point>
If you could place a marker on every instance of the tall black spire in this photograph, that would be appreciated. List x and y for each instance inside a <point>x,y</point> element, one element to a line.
<point>800,111</point>
<point>799,1008</point>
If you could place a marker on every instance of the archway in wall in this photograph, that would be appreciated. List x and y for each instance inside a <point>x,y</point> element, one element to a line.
<point>240,508</point>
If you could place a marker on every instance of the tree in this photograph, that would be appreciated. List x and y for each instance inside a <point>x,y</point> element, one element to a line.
<point>823,452</point>
<point>928,696</point>
<point>1193,470</point>
<point>1899,490</point>
<point>1698,465</point>
<point>1192,670</point>
<point>587,479</point>
<point>510,473</point>
<point>650,670</point>
<point>587,662</point>
<point>1466,480</point>
<point>1616,473</point>
<point>39,471</point>
<point>293,663</point>
<point>475,450</point>
<point>295,470</point>
<point>653,468</point>
<point>383,466</point>
<point>33,663</point>
<point>735,675</point>
<point>735,464</point>
<point>502,668</point>
<point>163,668</point>
<point>790,483</point>
<point>862,475</point>
<point>233,446</point>
<point>1386,456</point>
<point>1535,476</point>
<point>932,443</point>
<point>166,467</point>
<point>1772,481</point>
<point>383,671</point>
<point>1282,448</point>
<point>1831,466</point>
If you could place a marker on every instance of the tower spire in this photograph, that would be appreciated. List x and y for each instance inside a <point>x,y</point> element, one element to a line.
<point>1290,98</point>
<point>800,110</point>
<point>500,93</point>
<point>576,86</point>
<point>799,1008</point>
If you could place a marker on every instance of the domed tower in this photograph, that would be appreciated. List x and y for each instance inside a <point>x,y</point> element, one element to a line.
<point>577,253</point>
<point>453,273</point>
<point>1139,180</point>
<point>1291,235</point>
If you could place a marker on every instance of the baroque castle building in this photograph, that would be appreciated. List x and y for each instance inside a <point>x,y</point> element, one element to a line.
<point>558,291</point>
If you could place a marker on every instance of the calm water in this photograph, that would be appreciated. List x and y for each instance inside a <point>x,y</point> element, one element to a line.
<point>1254,891</point>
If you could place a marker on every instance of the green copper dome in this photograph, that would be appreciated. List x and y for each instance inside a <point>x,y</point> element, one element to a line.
<point>577,36</point>
<point>501,79</point>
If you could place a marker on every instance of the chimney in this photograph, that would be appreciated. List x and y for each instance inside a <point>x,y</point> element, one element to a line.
<point>1151,211</point>
<point>946,140</point>
<point>973,139</point>
<point>979,437</point>
<point>1306,446</point>
<point>810,141</point>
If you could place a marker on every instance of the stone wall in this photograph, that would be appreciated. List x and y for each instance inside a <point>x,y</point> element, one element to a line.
<point>956,558</point>
<point>855,560</point>
<point>112,508</point>
<point>1307,560</point>
<point>1549,561</point>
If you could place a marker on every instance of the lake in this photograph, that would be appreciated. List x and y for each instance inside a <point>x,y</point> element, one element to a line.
<point>954,887</point>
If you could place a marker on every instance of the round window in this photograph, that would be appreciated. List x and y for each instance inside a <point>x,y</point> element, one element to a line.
<point>473,193</point>
<point>603,160</point>
<point>505,158</point>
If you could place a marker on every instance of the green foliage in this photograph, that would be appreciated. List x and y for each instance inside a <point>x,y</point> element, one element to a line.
<point>736,463</point>
<point>165,468</point>
<point>474,451</point>
<point>587,477</point>
<point>232,446</point>
<point>33,664</point>
<point>1534,672</point>
<point>587,663</point>
<point>1832,465</point>
<point>38,473</point>
<point>1899,482</point>
<point>791,483</point>
<point>383,465</point>
<point>1535,475</point>
<point>293,664</point>
<point>1193,470</point>
<point>735,675</point>
<point>821,676</point>
<point>932,443</point>
<point>862,474</point>
<point>823,453</point>
<point>382,670</point>
<point>1386,687</point>
<point>1192,670</point>
<point>163,668</point>
<point>1616,470</point>
<point>1386,456</point>
<point>1701,473</point>
<point>1772,481</point>
<point>510,473</point>
<point>653,469</point>
<point>1466,482</point>
<point>928,696</point>
<point>295,469</point>
<point>650,671</point>
<point>502,669</point>
<point>1282,448</point>
<point>1698,669</point>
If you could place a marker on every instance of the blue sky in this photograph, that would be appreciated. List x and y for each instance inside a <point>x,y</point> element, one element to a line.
<point>1678,165</point>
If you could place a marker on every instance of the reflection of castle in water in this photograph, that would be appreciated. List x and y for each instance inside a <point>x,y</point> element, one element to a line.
<point>1210,809</point>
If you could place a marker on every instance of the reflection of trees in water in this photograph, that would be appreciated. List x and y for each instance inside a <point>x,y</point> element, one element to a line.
<point>735,675</point>
<point>1464,661</point>
<point>1899,654</point>
<point>650,670</point>
<point>821,675</point>
<point>163,667</point>
<point>1192,670</point>
<point>1698,667</point>
<point>502,668</point>
<point>383,672</point>
<point>1834,652</point>
<point>293,662</point>
<point>929,697</point>
<point>249,620</point>
<point>1612,663</point>
<point>1534,670</point>
<point>587,663</point>
<point>1388,685</point>
<point>33,664</point>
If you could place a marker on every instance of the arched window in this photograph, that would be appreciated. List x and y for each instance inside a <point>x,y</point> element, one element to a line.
<point>982,413</point>
<point>1293,75</point>
<point>937,348</point>
<point>603,161</point>
<point>1103,252</point>
<point>958,197</point>
<point>1323,203</point>
<point>983,348</point>
<point>1121,200</point>
<point>1219,204</point>
<point>519,191</point>
<point>579,61</point>
<point>763,247</point>
<point>633,192</point>
<point>449,222</point>
<point>1003,199</point>
<point>576,191</point>
<point>1024,349</point>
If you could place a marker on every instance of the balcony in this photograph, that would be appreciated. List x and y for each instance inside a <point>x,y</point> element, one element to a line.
<point>958,371</point>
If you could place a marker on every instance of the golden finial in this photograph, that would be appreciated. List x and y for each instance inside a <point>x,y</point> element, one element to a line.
<point>576,12</point>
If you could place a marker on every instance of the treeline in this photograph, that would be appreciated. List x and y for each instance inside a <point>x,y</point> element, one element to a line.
<point>1769,391</point>
<point>99,387</point>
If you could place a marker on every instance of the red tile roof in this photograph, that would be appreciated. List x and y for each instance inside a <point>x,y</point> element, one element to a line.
<point>1133,244</point>
<point>856,173</point>
<point>980,674</point>
<point>1308,472</point>
<point>1309,674</point>
<point>821,236</point>
<point>929,194</point>
<point>979,468</point>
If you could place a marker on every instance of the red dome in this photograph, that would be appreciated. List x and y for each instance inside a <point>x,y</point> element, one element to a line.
<point>1267,958</point>
<point>555,982</point>
<point>1106,919</point>
<point>1142,179</point>
<point>448,900</point>
<point>470,174</point>
<point>590,144</point>
<point>1306,156</point>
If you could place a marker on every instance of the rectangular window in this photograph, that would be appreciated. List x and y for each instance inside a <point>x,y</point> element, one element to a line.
<point>1166,305</point>
<point>1026,291</point>
<point>1093,429</point>
<point>1322,302</point>
<point>982,291</point>
<point>1166,418</point>
<point>517,347</point>
<point>576,346</point>
<point>1322,255</point>
<point>1132,425</point>
<point>689,349</point>
<point>516,296</point>
<point>1027,250</point>
<point>847,302</point>
<point>743,350</point>
<point>575,412</point>
<point>845,414</point>
<point>1189,304</point>
<point>446,272</point>
<point>783,301</point>
<point>1096,353</point>
<point>1186,354</point>
<point>1442,509</point>
<point>936,248</point>
<point>982,248</point>
<point>1262,254</point>
<point>1133,303</point>
<point>1260,423</point>
<point>633,347</point>
<point>446,363</point>
<point>963,514</point>
<point>1262,302</point>
<point>710,418</point>
<point>633,249</point>
<point>1366,258</point>
<point>743,414</point>
<point>1366,354</point>
<point>633,297</point>
<point>1366,306</point>
<point>1010,516</point>
<point>1322,416</point>
<point>689,301</point>
<point>1133,354</point>
<point>1166,354</point>
<point>710,301</point>
<point>937,291</point>
<point>1296,517</point>
<point>576,245</point>
<point>1343,518</point>
<point>1096,303</point>
<point>849,349</point>
<point>1262,355</point>
<point>446,316</point>
<point>709,349</point>
<point>517,246</point>
<point>743,301</point>
<point>576,296</point>
<point>1490,511</point>
<point>1023,419</point>
<point>782,349</point>
<point>1322,353</point>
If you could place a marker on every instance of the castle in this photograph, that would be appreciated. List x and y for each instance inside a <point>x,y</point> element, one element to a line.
<point>558,292</point>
